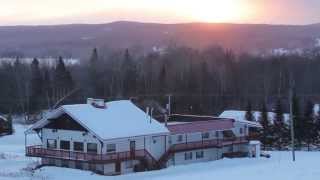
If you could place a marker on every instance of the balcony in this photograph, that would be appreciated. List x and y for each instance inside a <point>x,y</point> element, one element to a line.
<point>39,151</point>
<point>213,143</point>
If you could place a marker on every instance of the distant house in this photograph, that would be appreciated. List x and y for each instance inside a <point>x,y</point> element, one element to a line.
<point>117,137</point>
<point>240,116</point>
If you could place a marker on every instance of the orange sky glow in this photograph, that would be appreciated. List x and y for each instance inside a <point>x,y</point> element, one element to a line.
<point>13,12</point>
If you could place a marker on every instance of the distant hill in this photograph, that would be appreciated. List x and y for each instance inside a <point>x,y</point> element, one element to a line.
<point>77,40</point>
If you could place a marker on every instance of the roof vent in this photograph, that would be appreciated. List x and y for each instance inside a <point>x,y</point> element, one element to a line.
<point>97,103</point>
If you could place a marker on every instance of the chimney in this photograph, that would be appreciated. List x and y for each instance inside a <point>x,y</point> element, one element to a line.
<point>97,103</point>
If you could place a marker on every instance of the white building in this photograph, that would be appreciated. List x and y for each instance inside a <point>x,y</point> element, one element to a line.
<point>117,137</point>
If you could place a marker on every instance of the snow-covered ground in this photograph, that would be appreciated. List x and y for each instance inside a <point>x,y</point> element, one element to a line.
<point>14,165</point>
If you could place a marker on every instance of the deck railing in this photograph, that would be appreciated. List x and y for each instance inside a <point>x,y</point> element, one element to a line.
<point>212,143</point>
<point>208,143</point>
<point>39,151</point>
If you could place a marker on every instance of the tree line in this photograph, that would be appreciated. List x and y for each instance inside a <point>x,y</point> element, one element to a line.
<point>276,127</point>
<point>200,81</point>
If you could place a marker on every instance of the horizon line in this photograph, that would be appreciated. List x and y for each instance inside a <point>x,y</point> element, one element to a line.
<point>160,23</point>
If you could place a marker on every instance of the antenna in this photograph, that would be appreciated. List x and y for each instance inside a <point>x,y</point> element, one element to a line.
<point>151,112</point>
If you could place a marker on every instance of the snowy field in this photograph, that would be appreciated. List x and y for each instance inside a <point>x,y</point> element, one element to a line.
<point>14,165</point>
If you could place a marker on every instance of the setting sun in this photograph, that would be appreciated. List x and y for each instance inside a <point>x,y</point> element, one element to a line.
<point>216,11</point>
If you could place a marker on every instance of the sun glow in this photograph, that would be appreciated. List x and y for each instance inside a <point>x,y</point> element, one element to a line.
<point>93,11</point>
<point>217,10</point>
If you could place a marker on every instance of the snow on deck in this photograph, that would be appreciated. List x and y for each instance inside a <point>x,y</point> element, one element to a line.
<point>13,165</point>
<point>119,119</point>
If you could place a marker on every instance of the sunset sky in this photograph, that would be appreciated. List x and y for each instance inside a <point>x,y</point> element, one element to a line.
<point>21,12</point>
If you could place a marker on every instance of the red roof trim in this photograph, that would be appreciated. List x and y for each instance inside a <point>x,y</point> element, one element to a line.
<point>201,126</point>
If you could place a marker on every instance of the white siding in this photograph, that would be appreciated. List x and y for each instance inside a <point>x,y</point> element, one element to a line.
<point>109,168</point>
<point>68,135</point>
<point>208,155</point>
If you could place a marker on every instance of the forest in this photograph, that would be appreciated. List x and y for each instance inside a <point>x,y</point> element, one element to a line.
<point>200,82</point>
<point>204,82</point>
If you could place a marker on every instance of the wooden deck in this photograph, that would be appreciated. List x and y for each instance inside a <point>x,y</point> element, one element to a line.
<point>39,151</point>
<point>143,155</point>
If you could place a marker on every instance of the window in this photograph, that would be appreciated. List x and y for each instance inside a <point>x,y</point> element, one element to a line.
<point>154,140</point>
<point>92,148</point>
<point>78,165</point>
<point>65,163</point>
<point>199,154</point>
<point>51,143</point>
<point>51,161</point>
<point>77,146</point>
<point>187,155</point>
<point>92,166</point>
<point>65,145</point>
<point>217,134</point>
<point>179,138</point>
<point>111,148</point>
<point>205,135</point>
<point>241,131</point>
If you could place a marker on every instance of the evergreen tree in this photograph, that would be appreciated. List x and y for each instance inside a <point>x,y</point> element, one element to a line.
<point>10,125</point>
<point>47,87</point>
<point>265,134</point>
<point>249,114</point>
<point>129,76</point>
<point>297,120</point>
<point>36,87</point>
<point>317,125</point>
<point>281,132</point>
<point>63,81</point>
<point>95,86</point>
<point>163,80</point>
<point>310,131</point>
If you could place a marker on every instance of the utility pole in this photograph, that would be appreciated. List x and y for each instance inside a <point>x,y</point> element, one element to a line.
<point>291,121</point>
<point>168,112</point>
<point>169,104</point>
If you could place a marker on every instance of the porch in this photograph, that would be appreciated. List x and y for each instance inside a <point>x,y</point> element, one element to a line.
<point>39,151</point>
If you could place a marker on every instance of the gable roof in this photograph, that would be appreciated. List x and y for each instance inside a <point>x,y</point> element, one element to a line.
<point>119,119</point>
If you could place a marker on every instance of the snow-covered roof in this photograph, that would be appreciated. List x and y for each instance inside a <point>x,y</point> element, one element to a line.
<point>254,142</point>
<point>239,116</point>
<point>118,120</point>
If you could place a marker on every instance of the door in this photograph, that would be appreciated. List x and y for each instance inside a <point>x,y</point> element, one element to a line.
<point>132,149</point>
<point>118,167</point>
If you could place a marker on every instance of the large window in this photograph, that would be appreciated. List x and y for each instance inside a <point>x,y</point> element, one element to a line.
<point>188,155</point>
<point>65,145</point>
<point>92,148</point>
<point>199,154</point>
<point>205,135</point>
<point>77,146</point>
<point>111,148</point>
<point>51,143</point>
